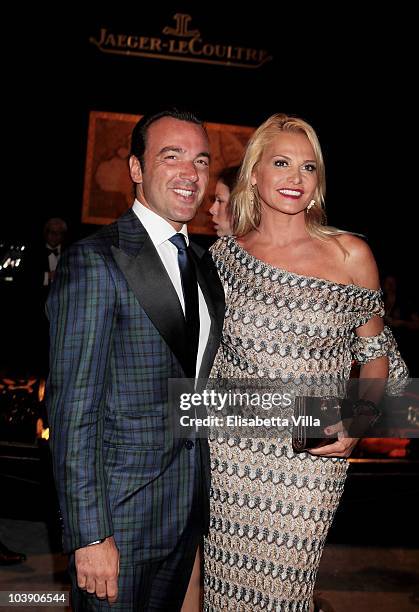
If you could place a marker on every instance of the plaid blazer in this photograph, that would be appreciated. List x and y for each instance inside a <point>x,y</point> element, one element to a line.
<point>117,334</point>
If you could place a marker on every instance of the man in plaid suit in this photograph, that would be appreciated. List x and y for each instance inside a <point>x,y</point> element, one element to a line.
<point>133,496</point>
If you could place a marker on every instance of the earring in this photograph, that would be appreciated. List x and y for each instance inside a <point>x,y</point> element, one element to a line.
<point>252,194</point>
<point>312,203</point>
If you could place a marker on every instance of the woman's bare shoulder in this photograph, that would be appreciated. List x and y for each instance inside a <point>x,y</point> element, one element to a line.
<point>359,261</point>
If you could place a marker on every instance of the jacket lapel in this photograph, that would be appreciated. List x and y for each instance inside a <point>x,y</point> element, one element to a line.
<point>139,262</point>
<point>146,276</point>
<point>213,293</point>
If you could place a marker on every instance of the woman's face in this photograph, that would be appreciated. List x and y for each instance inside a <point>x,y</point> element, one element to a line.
<point>286,175</point>
<point>220,210</point>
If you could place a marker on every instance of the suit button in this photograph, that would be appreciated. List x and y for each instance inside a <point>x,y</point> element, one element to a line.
<point>189,444</point>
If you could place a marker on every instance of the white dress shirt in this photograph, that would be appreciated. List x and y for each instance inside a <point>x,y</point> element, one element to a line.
<point>160,231</point>
<point>52,262</point>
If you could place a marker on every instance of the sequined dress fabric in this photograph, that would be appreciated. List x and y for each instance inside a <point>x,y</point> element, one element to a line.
<point>271,508</point>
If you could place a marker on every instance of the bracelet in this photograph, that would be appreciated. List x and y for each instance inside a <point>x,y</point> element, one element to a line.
<point>363,407</point>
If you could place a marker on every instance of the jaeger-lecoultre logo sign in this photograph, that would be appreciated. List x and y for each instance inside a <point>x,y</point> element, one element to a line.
<point>181,43</point>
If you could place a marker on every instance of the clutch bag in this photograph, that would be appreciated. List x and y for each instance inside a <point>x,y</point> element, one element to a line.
<point>311,416</point>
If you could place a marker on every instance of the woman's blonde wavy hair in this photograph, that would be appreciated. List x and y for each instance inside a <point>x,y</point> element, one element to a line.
<point>245,204</point>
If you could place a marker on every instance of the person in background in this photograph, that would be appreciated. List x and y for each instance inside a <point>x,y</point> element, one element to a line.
<point>131,307</point>
<point>220,210</point>
<point>39,271</point>
<point>402,315</point>
<point>55,231</point>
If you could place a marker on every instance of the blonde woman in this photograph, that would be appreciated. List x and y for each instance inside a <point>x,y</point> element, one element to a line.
<point>302,299</point>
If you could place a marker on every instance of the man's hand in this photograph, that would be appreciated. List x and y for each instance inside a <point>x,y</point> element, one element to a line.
<point>98,568</point>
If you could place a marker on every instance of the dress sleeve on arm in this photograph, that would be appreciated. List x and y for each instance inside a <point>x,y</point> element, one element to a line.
<point>367,304</point>
<point>367,348</point>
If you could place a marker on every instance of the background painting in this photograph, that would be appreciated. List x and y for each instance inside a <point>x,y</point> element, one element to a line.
<point>108,189</point>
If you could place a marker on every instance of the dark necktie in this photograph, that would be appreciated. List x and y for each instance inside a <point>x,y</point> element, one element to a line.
<point>55,251</point>
<point>190,296</point>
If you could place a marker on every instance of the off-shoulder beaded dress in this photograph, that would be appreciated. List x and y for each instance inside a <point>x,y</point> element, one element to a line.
<point>271,508</point>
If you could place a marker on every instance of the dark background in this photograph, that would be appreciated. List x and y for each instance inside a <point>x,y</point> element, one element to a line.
<point>343,70</point>
<point>349,72</point>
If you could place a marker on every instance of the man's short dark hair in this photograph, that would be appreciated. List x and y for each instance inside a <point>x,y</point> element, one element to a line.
<point>139,133</point>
